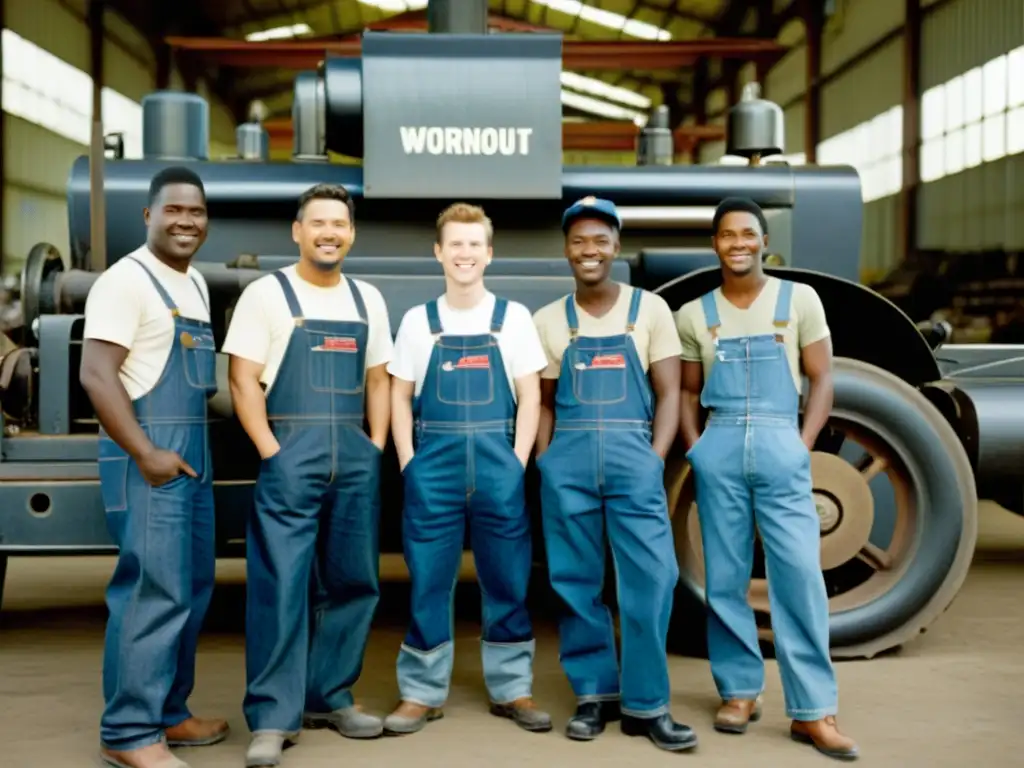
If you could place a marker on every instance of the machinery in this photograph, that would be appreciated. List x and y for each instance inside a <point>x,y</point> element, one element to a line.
<point>919,429</point>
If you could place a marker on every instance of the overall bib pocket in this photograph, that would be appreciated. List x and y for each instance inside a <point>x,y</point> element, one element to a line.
<point>330,363</point>
<point>598,375</point>
<point>198,358</point>
<point>465,375</point>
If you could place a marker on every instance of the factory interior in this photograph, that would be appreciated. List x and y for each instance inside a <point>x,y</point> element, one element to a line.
<point>884,140</point>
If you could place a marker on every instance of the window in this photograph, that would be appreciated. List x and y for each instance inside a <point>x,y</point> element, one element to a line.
<point>124,116</point>
<point>49,92</point>
<point>974,118</point>
<point>875,149</point>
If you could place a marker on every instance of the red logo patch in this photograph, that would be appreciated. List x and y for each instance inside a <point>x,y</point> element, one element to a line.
<point>474,361</point>
<point>338,344</point>
<point>608,361</point>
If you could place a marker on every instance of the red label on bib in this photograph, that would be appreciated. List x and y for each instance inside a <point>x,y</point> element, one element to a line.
<point>608,361</point>
<point>474,361</point>
<point>339,344</point>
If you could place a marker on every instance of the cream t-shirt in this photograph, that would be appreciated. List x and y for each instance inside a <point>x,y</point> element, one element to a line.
<point>262,324</point>
<point>807,324</point>
<point>521,350</point>
<point>655,335</point>
<point>125,308</point>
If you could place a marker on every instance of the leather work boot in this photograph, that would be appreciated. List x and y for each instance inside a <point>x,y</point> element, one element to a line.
<point>590,719</point>
<point>524,713</point>
<point>350,722</point>
<point>663,731</point>
<point>825,737</point>
<point>197,732</point>
<point>151,756</point>
<point>734,715</point>
<point>409,717</point>
<point>265,748</point>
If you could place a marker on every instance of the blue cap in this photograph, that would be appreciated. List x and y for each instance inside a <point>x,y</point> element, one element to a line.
<point>592,208</point>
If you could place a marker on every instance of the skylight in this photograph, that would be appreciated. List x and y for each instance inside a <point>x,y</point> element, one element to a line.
<point>279,33</point>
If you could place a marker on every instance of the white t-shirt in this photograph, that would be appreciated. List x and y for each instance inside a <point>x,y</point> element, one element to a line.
<point>520,346</point>
<point>262,324</point>
<point>125,308</point>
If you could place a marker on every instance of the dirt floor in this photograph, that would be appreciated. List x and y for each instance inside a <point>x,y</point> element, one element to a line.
<point>952,698</point>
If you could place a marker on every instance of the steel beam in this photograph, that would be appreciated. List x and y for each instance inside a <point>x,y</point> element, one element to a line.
<point>577,54</point>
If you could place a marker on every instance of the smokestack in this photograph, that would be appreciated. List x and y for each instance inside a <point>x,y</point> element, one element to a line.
<point>458,17</point>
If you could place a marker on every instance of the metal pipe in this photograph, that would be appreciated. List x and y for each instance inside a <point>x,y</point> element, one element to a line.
<point>458,17</point>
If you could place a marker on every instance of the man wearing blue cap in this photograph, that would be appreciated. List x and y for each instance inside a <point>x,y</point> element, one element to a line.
<point>610,408</point>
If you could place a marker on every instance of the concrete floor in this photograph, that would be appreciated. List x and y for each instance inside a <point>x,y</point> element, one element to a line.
<point>952,698</point>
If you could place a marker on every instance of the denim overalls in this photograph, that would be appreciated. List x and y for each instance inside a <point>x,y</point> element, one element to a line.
<point>752,467</point>
<point>313,542</point>
<point>600,472</point>
<point>465,471</point>
<point>161,586</point>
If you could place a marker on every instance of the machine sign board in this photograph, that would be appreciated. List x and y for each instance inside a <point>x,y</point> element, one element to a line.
<point>462,116</point>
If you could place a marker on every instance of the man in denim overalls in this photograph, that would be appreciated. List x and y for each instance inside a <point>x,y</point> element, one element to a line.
<point>148,366</point>
<point>610,398</point>
<point>318,341</point>
<point>744,345</point>
<point>465,407</point>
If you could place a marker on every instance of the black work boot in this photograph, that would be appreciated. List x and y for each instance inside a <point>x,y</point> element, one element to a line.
<point>665,732</point>
<point>590,719</point>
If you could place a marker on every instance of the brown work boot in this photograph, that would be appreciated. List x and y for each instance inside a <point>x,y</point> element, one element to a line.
<point>524,713</point>
<point>152,756</point>
<point>197,732</point>
<point>410,717</point>
<point>825,737</point>
<point>734,715</point>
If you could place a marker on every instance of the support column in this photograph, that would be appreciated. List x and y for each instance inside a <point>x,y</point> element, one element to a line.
<point>3,207</point>
<point>814,23</point>
<point>911,127</point>
<point>461,17</point>
<point>97,201</point>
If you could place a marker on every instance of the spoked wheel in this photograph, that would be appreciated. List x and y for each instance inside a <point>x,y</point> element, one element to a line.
<point>897,508</point>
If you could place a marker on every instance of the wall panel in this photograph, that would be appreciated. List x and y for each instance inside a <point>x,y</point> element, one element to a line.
<point>980,206</point>
<point>865,90</point>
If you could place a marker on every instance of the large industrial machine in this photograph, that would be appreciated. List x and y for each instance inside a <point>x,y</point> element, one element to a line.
<point>919,430</point>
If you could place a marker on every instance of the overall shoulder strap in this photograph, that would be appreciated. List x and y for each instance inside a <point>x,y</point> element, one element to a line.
<point>164,295</point>
<point>634,309</point>
<point>571,318</point>
<point>434,318</point>
<point>199,288</point>
<point>783,304</point>
<point>498,317</point>
<point>707,302</point>
<point>289,294</point>
<point>357,298</point>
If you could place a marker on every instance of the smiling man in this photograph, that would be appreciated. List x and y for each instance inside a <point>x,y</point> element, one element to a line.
<point>610,409</point>
<point>318,343</point>
<point>744,347</point>
<point>148,366</point>
<point>464,414</point>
